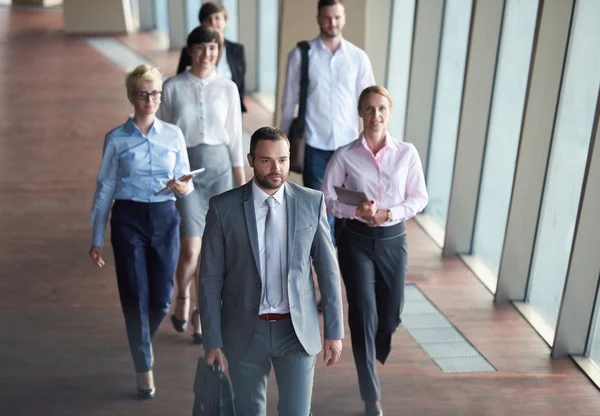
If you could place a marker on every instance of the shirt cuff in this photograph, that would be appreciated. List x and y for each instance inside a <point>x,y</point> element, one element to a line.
<point>348,211</point>
<point>98,239</point>
<point>398,213</point>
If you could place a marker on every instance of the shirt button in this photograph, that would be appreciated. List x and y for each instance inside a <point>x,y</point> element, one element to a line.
<point>258,285</point>
<point>254,311</point>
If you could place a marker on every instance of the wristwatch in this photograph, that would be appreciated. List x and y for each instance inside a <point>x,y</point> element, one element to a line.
<point>389,215</point>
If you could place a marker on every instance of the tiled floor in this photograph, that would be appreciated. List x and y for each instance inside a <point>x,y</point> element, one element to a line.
<point>62,346</point>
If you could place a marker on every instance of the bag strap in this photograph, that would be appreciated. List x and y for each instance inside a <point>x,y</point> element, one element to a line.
<point>304,47</point>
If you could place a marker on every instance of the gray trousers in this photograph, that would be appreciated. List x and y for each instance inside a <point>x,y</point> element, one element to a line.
<point>276,344</point>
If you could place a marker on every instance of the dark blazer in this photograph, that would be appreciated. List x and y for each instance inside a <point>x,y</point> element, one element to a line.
<point>236,59</point>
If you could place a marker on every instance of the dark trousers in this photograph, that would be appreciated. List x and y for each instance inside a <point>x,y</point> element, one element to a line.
<point>315,163</point>
<point>373,266</point>
<point>145,240</point>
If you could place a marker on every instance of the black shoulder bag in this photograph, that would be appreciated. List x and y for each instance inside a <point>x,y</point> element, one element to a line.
<point>297,128</point>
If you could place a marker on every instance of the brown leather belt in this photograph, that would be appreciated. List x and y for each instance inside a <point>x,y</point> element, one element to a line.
<point>272,317</point>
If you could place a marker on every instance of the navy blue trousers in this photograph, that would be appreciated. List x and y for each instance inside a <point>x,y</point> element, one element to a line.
<point>145,240</point>
<point>373,266</point>
<point>315,163</point>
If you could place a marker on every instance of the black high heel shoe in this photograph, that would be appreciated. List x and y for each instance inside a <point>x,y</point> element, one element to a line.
<point>196,336</point>
<point>145,385</point>
<point>180,325</point>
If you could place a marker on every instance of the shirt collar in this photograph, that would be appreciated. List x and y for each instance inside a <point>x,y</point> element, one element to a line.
<point>131,128</point>
<point>322,45</point>
<point>390,142</point>
<point>261,196</point>
<point>202,81</point>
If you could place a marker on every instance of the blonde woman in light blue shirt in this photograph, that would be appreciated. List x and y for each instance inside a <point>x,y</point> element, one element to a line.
<point>140,158</point>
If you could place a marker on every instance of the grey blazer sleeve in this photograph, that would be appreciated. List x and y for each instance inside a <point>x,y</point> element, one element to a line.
<point>328,276</point>
<point>212,272</point>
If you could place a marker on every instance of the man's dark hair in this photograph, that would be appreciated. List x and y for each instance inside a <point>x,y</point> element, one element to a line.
<point>203,34</point>
<point>327,3</point>
<point>266,133</point>
<point>211,8</point>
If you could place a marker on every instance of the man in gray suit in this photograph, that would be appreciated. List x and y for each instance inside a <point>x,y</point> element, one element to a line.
<point>257,294</point>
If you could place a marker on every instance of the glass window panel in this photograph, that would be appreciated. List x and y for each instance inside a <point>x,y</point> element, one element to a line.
<point>403,16</point>
<point>231,32</point>
<point>267,46</point>
<point>192,10</point>
<point>161,16</point>
<point>510,85</point>
<point>446,113</point>
<point>565,175</point>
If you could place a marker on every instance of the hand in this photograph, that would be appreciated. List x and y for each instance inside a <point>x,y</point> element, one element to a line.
<point>332,351</point>
<point>366,210</point>
<point>217,355</point>
<point>179,186</point>
<point>379,218</point>
<point>96,256</point>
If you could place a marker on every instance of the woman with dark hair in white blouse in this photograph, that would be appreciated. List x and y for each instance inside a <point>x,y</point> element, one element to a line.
<point>206,107</point>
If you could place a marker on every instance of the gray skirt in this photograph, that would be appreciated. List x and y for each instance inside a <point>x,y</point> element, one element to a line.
<point>217,178</point>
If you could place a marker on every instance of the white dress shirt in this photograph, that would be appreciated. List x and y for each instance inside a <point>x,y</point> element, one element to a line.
<point>207,110</point>
<point>260,211</point>
<point>222,67</point>
<point>335,82</point>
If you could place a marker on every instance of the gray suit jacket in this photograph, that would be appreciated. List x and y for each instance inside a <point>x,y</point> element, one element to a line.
<point>230,285</point>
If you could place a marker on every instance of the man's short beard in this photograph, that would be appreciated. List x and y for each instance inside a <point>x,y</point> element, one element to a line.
<point>268,185</point>
<point>324,33</point>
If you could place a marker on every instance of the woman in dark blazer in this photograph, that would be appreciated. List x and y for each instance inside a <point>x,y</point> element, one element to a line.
<point>232,60</point>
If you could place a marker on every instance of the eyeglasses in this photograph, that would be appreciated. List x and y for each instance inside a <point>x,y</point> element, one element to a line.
<point>143,95</point>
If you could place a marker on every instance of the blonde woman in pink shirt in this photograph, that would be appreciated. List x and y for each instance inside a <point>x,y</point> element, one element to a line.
<point>372,243</point>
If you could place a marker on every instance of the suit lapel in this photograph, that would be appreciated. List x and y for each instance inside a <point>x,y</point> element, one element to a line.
<point>290,205</point>
<point>251,223</point>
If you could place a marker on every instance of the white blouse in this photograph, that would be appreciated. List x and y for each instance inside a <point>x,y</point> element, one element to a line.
<point>222,67</point>
<point>207,110</point>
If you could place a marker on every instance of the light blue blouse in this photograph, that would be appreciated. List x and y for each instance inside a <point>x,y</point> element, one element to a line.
<point>136,166</point>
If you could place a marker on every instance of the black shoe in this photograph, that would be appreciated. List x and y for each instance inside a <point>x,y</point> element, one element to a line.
<point>180,325</point>
<point>146,393</point>
<point>196,338</point>
<point>145,385</point>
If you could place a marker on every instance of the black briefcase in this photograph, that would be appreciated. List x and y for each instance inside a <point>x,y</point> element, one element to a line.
<point>213,392</point>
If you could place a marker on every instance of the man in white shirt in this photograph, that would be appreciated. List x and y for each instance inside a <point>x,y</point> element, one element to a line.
<point>338,72</point>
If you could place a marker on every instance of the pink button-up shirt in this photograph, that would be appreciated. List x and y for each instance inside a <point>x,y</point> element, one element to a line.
<point>393,178</point>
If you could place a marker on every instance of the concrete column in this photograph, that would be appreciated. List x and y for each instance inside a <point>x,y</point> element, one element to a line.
<point>178,31</point>
<point>146,13</point>
<point>248,30</point>
<point>95,17</point>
